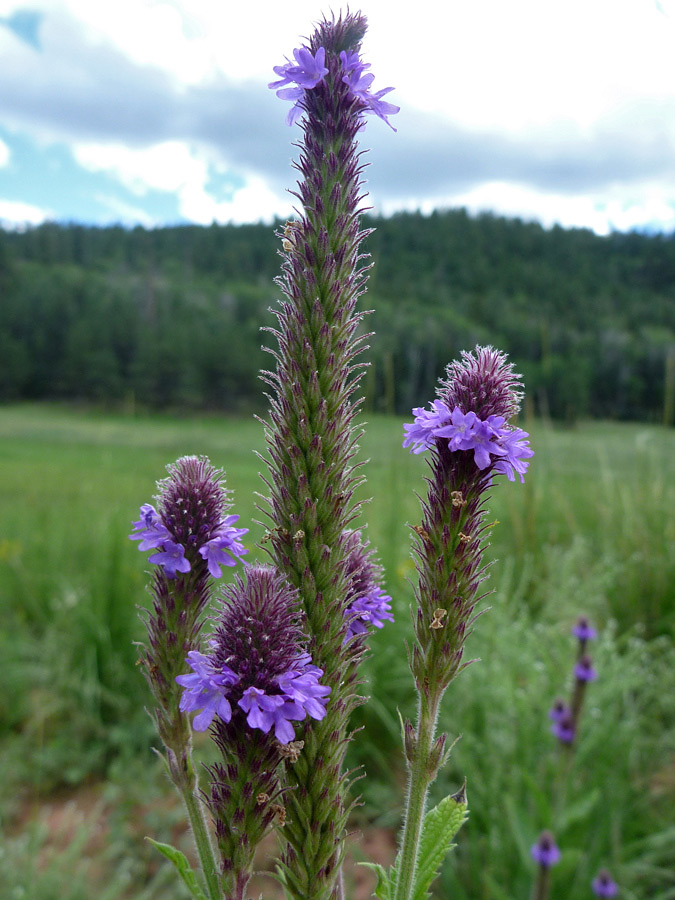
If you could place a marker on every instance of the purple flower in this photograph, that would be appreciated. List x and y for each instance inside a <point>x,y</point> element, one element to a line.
<point>258,639</point>
<point>301,696</point>
<point>301,684</point>
<point>558,710</point>
<point>545,852</point>
<point>224,548</point>
<point>515,450</point>
<point>422,433</point>
<point>359,87</point>
<point>584,630</point>
<point>584,670</point>
<point>563,728</point>
<point>150,530</point>
<point>171,558</point>
<point>492,441</point>
<point>604,885</point>
<point>367,604</point>
<point>207,687</point>
<point>370,609</point>
<point>264,712</point>
<point>305,74</point>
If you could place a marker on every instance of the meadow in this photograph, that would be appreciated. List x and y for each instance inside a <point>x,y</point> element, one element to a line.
<point>591,531</point>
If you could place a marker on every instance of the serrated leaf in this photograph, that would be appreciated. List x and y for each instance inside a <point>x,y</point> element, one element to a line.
<point>383,888</point>
<point>440,826</point>
<point>182,867</point>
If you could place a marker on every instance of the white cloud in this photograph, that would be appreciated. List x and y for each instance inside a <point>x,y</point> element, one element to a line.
<point>604,212</point>
<point>175,167</point>
<point>15,214</point>
<point>152,84</point>
<point>168,166</point>
<point>4,153</point>
<point>253,202</point>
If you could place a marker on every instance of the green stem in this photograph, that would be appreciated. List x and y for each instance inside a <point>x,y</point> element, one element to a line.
<point>185,780</point>
<point>203,843</point>
<point>418,788</point>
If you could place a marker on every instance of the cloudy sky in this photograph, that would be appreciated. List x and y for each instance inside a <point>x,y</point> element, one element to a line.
<point>157,111</point>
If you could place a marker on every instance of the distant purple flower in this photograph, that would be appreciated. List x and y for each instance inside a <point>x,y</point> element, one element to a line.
<point>584,670</point>
<point>558,710</point>
<point>563,728</point>
<point>206,687</point>
<point>171,558</point>
<point>371,609</point>
<point>224,548</point>
<point>149,529</point>
<point>604,885</point>
<point>305,74</point>
<point>545,852</point>
<point>584,630</point>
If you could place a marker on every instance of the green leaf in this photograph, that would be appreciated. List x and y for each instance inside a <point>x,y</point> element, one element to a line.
<point>383,889</point>
<point>440,826</point>
<point>182,867</point>
<point>577,812</point>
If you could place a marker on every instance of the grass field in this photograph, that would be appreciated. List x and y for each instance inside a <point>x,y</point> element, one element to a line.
<point>592,530</point>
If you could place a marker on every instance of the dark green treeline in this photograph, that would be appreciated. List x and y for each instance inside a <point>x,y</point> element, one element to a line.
<point>170,318</point>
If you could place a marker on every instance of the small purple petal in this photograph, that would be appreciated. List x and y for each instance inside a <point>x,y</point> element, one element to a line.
<point>171,558</point>
<point>206,688</point>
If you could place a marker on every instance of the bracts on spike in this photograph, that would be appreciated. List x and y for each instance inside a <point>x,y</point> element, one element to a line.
<point>470,441</point>
<point>252,687</point>
<point>311,436</point>
<point>191,536</point>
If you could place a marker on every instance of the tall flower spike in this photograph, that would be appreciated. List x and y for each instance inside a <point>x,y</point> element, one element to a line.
<point>546,854</point>
<point>311,438</point>
<point>465,432</point>
<point>256,683</point>
<point>191,519</point>
<point>448,544</point>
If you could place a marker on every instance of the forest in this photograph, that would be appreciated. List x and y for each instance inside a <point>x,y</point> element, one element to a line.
<point>170,318</point>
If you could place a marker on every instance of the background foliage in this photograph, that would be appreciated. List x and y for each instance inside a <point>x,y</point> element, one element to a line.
<point>114,316</point>
<point>590,531</point>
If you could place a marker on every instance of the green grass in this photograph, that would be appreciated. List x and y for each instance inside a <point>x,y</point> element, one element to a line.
<point>592,530</point>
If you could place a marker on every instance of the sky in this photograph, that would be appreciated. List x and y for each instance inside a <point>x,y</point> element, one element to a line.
<point>157,112</point>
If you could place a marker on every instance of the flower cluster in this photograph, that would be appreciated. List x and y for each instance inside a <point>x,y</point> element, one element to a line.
<point>545,851</point>
<point>492,441</point>
<point>219,545</point>
<point>604,885</point>
<point>257,664</point>
<point>565,717</point>
<point>309,70</point>
<point>368,603</point>
<point>359,85</point>
<point>296,694</point>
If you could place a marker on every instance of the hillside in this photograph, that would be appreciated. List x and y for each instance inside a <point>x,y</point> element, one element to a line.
<point>171,317</point>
